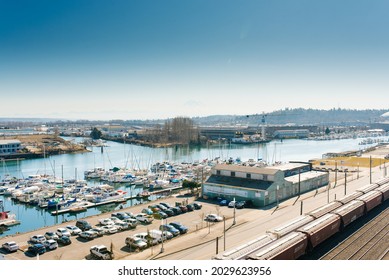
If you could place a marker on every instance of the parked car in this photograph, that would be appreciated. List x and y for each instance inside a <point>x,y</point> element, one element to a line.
<point>130,214</point>
<point>115,219</point>
<point>37,239</point>
<point>169,212</point>
<point>143,218</point>
<point>83,225</point>
<point>177,210</point>
<point>232,204</point>
<point>147,211</point>
<point>98,230</point>
<point>213,218</point>
<point>64,240</point>
<point>170,229</point>
<point>88,235</point>
<point>240,205</point>
<point>134,242</point>
<point>162,207</point>
<point>160,215</point>
<point>165,235</point>
<point>73,230</point>
<point>167,205</point>
<point>183,208</point>
<point>224,202</point>
<point>121,225</point>
<point>121,215</point>
<point>132,223</point>
<point>183,229</point>
<point>109,229</point>
<point>106,221</point>
<point>51,235</point>
<point>36,249</point>
<point>190,207</point>
<point>50,244</point>
<point>197,205</point>
<point>10,246</point>
<point>63,232</point>
<point>149,239</point>
<point>101,252</point>
<point>154,208</point>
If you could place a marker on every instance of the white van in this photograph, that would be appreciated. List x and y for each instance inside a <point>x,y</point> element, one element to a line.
<point>165,234</point>
<point>155,238</point>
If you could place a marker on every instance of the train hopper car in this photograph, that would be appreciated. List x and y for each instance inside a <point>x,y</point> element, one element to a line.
<point>382,181</point>
<point>290,247</point>
<point>350,212</point>
<point>321,229</point>
<point>371,199</point>
<point>368,188</point>
<point>350,197</point>
<point>321,211</point>
<point>242,251</point>
<point>290,226</point>
<point>385,191</point>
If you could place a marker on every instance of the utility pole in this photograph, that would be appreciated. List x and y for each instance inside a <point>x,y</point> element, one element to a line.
<point>370,171</point>
<point>336,173</point>
<point>301,207</point>
<point>224,220</point>
<point>345,182</point>
<point>299,182</point>
<point>234,222</point>
<point>278,187</point>
<point>162,249</point>
<point>358,171</point>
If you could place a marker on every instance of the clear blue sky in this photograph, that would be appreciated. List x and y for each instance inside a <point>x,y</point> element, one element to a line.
<point>127,59</point>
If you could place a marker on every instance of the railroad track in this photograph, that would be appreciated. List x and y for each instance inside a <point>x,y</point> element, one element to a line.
<point>371,242</point>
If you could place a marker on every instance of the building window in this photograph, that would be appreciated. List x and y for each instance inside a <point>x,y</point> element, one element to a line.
<point>248,176</point>
<point>265,177</point>
<point>217,172</point>
<point>232,174</point>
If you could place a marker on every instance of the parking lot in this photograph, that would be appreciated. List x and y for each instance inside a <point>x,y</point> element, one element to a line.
<point>79,248</point>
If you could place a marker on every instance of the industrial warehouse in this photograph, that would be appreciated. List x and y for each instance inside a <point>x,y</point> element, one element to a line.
<point>262,185</point>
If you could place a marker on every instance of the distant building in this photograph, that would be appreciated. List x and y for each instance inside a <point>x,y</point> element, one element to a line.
<point>294,133</point>
<point>9,147</point>
<point>262,186</point>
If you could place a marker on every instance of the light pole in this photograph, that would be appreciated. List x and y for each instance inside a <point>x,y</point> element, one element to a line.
<point>358,171</point>
<point>370,171</point>
<point>278,188</point>
<point>162,249</point>
<point>234,222</point>
<point>345,182</point>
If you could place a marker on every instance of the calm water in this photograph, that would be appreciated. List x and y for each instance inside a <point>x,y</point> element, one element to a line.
<point>126,155</point>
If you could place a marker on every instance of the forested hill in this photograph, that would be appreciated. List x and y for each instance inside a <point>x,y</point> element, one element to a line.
<point>299,116</point>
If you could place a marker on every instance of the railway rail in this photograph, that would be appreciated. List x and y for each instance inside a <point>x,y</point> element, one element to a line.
<point>371,242</point>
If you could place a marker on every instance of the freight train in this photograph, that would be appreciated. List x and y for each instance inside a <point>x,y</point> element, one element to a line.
<point>302,235</point>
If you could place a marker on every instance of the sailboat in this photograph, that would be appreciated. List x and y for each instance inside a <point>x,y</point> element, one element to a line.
<point>7,219</point>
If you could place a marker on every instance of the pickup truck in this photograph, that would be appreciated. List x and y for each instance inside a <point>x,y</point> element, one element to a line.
<point>143,218</point>
<point>101,252</point>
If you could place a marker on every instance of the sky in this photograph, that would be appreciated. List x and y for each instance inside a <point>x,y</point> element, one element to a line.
<point>151,59</point>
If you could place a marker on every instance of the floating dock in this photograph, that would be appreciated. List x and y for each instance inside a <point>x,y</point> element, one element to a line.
<point>89,204</point>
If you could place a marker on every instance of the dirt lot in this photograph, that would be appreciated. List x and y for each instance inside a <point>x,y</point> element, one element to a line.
<point>377,158</point>
<point>45,143</point>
